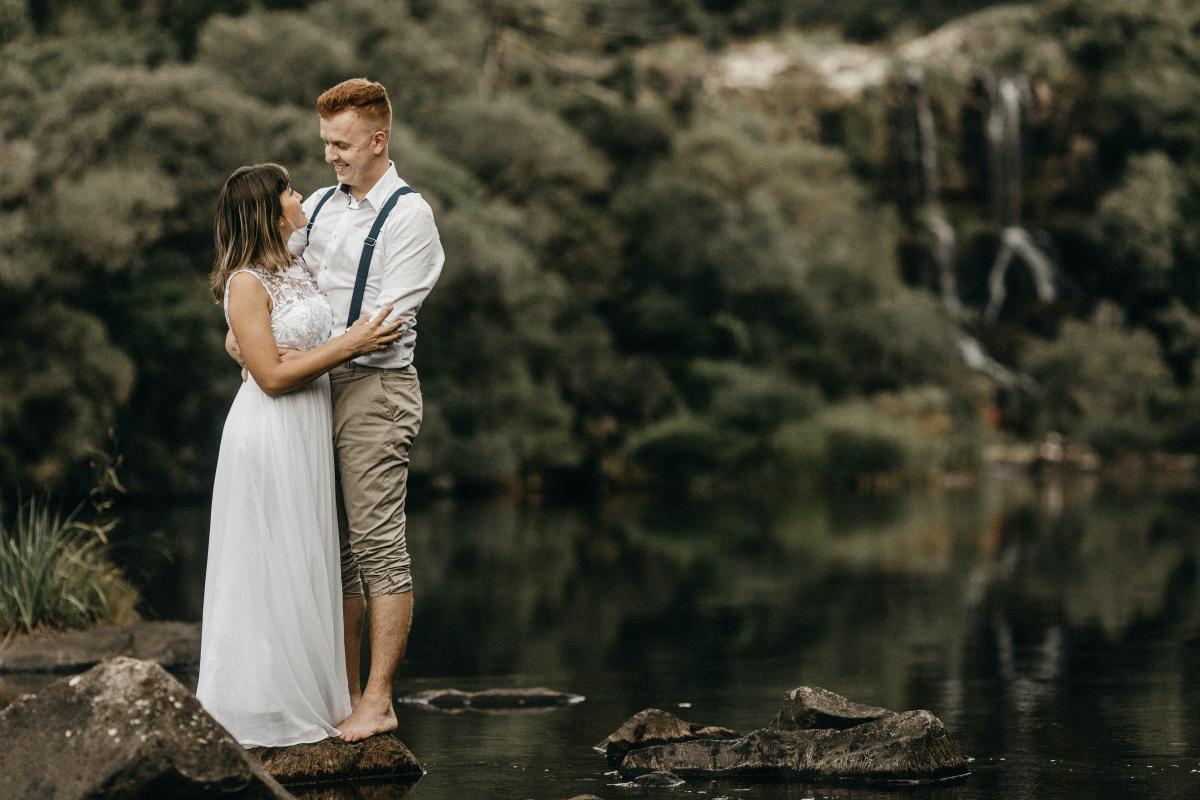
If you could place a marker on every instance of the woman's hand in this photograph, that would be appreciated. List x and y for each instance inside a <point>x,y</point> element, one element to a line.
<point>369,335</point>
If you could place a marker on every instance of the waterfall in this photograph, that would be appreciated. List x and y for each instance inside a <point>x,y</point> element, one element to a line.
<point>1009,97</point>
<point>1003,131</point>
<point>915,137</point>
<point>921,140</point>
<point>1015,242</point>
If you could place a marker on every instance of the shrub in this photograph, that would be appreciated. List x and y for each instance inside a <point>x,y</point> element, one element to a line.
<point>911,435</point>
<point>682,446</point>
<point>1103,381</point>
<point>55,573</point>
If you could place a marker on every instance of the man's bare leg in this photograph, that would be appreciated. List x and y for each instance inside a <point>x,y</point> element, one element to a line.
<point>391,618</point>
<point>353,611</point>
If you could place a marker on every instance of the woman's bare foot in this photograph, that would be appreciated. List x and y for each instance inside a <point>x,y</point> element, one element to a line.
<point>370,716</point>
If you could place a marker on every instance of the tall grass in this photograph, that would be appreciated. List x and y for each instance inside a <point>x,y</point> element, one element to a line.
<point>55,573</point>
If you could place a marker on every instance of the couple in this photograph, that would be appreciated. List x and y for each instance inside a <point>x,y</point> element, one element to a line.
<point>321,298</point>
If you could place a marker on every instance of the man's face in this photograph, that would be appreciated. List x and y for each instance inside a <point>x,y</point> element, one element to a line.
<point>351,146</point>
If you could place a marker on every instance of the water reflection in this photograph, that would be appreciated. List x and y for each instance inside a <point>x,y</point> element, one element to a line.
<point>1048,625</point>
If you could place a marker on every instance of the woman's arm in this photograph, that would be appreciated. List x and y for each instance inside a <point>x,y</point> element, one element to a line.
<point>250,321</point>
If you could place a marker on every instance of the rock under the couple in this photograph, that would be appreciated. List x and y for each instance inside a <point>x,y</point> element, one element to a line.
<point>128,729</point>
<point>174,645</point>
<point>453,699</point>
<point>124,729</point>
<point>817,736</point>
<point>380,757</point>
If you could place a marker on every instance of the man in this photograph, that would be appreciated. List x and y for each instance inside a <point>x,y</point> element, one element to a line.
<point>376,398</point>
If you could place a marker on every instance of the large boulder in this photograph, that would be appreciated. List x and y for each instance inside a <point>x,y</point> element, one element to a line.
<point>124,729</point>
<point>380,757</point>
<point>808,708</point>
<point>455,699</point>
<point>173,645</point>
<point>655,727</point>
<point>900,748</point>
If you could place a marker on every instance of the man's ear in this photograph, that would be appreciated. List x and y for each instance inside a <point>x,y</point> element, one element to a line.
<point>379,142</point>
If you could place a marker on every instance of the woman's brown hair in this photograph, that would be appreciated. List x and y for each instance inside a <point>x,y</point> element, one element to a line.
<point>247,226</point>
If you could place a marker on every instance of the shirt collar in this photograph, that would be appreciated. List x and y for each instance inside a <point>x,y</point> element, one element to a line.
<point>388,182</point>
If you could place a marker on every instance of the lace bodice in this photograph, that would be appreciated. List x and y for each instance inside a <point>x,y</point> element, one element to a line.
<point>300,315</point>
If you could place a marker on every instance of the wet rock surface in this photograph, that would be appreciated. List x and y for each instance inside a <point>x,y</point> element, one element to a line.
<point>124,729</point>
<point>809,708</point>
<point>655,727</point>
<point>654,780</point>
<point>173,645</point>
<point>817,736</point>
<point>898,748</point>
<point>450,699</point>
<point>381,757</point>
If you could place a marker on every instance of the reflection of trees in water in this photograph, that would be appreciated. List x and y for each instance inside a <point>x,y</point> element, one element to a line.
<point>1119,564</point>
<point>1075,588</point>
<point>513,588</point>
<point>894,599</point>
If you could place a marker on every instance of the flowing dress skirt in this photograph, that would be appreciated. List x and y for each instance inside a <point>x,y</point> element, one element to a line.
<point>272,666</point>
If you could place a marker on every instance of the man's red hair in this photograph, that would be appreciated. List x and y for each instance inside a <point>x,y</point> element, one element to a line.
<point>366,97</point>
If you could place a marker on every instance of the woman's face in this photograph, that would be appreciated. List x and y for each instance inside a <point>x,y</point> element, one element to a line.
<point>293,215</point>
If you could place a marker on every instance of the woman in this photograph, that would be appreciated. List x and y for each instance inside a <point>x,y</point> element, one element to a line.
<point>272,666</point>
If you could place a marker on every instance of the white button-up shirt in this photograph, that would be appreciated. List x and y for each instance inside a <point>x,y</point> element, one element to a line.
<point>407,262</point>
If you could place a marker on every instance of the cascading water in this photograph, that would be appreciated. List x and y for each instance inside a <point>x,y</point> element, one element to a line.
<point>1003,131</point>
<point>917,142</point>
<point>920,139</point>
<point>1009,97</point>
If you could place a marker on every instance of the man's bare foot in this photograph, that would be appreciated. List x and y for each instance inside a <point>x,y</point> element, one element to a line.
<point>369,717</point>
<point>355,699</point>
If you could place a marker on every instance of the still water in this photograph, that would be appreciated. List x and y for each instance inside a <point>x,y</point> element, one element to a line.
<point>1054,628</point>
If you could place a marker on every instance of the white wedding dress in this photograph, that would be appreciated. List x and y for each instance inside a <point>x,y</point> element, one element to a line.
<point>272,666</point>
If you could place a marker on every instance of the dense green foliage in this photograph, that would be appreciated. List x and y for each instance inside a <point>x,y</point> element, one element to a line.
<point>646,276</point>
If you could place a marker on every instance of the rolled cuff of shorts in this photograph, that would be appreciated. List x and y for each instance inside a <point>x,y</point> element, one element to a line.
<point>396,581</point>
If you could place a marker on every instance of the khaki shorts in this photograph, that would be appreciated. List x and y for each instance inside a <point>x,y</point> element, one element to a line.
<point>376,416</point>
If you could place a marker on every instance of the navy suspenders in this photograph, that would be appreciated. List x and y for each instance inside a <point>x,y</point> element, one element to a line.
<point>317,210</point>
<point>364,260</point>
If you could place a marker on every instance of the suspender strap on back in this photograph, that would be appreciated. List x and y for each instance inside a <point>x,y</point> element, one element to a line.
<point>317,210</point>
<point>364,261</point>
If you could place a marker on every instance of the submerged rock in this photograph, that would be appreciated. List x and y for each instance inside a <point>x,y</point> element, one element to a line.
<point>898,748</point>
<point>124,729</point>
<point>655,727</point>
<point>808,708</point>
<point>653,780</point>
<point>381,757</point>
<point>170,644</point>
<point>537,697</point>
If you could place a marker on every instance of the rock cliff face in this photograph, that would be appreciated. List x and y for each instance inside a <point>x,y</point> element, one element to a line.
<point>125,729</point>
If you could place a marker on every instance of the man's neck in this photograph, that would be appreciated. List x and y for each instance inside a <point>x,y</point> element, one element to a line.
<point>360,190</point>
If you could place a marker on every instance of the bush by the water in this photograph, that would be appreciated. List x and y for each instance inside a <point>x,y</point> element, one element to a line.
<point>55,573</point>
